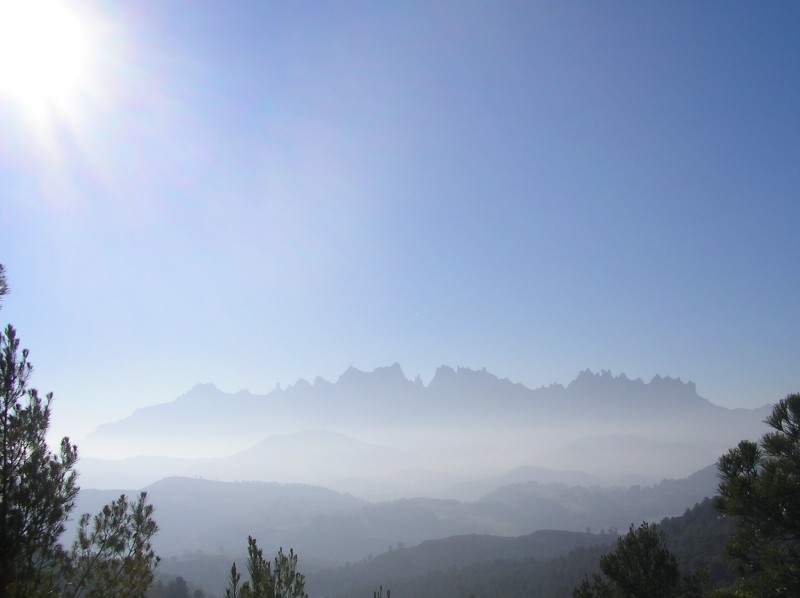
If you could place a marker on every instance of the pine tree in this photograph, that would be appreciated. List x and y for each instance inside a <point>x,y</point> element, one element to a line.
<point>37,487</point>
<point>113,556</point>
<point>760,489</point>
<point>640,566</point>
<point>37,493</point>
<point>278,579</point>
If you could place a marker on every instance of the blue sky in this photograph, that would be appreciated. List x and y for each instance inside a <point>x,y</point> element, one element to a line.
<point>254,192</point>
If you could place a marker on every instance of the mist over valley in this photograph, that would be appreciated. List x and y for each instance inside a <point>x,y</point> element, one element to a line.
<point>377,464</point>
<point>379,435</point>
<point>358,199</point>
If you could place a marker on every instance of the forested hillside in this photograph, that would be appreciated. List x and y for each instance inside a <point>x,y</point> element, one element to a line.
<point>209,517</point>
<point>544,564</point>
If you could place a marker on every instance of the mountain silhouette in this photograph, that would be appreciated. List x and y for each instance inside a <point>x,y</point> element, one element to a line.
<point>464,425</point>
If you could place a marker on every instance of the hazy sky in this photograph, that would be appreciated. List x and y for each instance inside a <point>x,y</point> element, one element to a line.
<point>247,193</point>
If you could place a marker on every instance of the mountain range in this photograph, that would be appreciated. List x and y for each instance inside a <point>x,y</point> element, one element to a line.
<point>381,435</point>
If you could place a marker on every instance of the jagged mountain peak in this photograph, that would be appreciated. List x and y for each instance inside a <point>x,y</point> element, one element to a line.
<point>605,385</point>
<point>463,377</point>
<point>200,390</point>
<point>389,376</point>
<point>209,421</point>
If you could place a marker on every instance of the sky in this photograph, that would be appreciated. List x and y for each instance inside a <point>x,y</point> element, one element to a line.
<point>249,193</point>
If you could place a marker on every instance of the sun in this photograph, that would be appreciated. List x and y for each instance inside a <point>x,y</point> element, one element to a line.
<point>46,54</point>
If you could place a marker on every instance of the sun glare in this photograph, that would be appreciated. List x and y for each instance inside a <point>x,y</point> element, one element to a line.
<point>45,56</point>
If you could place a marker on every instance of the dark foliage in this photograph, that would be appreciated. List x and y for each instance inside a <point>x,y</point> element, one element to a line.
<point>451,568</point>
<point>37,493</point>
<point>698,539</point>
<point>760,490</point>
<point>639,566</point>
<point>37,487</point>
<point>458,553</point>
<point>113,556</point>
<point>277,579</point>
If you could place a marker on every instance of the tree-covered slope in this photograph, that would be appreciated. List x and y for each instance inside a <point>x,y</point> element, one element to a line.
<point>538,565</point>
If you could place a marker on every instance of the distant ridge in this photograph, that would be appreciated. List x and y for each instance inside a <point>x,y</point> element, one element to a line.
<point>325,526</point>
<point>467,423</point>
